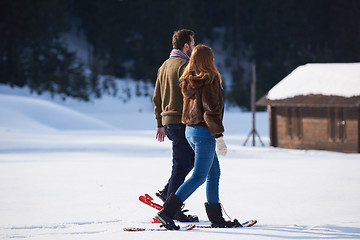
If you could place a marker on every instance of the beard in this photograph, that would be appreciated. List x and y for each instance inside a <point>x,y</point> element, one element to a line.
<point>188,52</point>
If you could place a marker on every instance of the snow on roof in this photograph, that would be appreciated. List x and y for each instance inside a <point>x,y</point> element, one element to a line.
<point>329,79</point>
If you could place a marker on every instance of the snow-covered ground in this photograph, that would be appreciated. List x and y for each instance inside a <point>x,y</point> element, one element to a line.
<point>74,170</point>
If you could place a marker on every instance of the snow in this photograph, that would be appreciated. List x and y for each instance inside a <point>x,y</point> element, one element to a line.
<point>43,114</point>
<point>75,170</point>
<point>329,79</point>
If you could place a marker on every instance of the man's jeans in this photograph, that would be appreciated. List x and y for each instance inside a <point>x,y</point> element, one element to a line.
<point>206,165</point>
<point>183,156</point>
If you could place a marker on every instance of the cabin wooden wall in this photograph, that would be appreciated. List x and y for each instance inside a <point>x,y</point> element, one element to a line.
<point>314,128</point>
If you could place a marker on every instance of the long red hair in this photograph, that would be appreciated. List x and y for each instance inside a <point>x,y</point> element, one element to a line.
<point>201,65</point>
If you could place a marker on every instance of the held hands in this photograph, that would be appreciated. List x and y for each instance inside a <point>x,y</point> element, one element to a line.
<point>221,148</point>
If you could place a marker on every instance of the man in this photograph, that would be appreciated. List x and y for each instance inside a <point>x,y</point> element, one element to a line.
<point>168,104</point>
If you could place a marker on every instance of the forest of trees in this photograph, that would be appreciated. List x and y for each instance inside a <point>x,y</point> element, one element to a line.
<point>131,38</point>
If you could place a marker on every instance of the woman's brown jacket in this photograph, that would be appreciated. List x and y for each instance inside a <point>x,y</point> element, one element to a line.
<point>203,104</point>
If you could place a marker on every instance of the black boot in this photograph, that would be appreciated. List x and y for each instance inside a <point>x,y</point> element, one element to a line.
<point>214,213</point>
<point>162,194</point>
<point>166,216</point>
<point>181,217</point>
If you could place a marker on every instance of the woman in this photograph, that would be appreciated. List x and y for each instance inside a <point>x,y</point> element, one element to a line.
<point>202,113</point>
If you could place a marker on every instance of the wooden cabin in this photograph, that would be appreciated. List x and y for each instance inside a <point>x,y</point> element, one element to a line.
<point>317,106</point>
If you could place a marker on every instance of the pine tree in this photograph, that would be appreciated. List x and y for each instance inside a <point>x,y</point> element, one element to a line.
<point>32,50</point>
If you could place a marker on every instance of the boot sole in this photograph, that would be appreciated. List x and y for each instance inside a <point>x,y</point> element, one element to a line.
<point>157,217</point>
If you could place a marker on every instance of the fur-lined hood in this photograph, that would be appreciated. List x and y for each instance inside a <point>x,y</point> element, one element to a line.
<point>193,83</point>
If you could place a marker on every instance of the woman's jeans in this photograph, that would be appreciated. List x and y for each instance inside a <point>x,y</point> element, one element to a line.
<point>206,165</point>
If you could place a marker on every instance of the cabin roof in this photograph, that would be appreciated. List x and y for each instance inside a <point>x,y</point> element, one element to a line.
<point>312,101</point>
<point>317,85</point>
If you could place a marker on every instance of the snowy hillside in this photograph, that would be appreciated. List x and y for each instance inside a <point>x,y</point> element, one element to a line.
<point>75,170</point>
<point>27,113</point>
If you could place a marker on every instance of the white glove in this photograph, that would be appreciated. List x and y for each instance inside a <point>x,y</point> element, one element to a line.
<point>221,146</point>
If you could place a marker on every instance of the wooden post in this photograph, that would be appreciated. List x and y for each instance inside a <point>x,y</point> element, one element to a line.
<point>253,131</point>
<point>253,97</point>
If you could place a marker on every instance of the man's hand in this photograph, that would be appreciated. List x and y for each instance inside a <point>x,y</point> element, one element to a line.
<point>160,134</point>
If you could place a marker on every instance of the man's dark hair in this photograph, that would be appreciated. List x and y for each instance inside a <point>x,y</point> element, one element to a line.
<point>181,37</point>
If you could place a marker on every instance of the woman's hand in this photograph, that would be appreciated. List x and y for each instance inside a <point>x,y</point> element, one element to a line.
<point>221,147</point>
